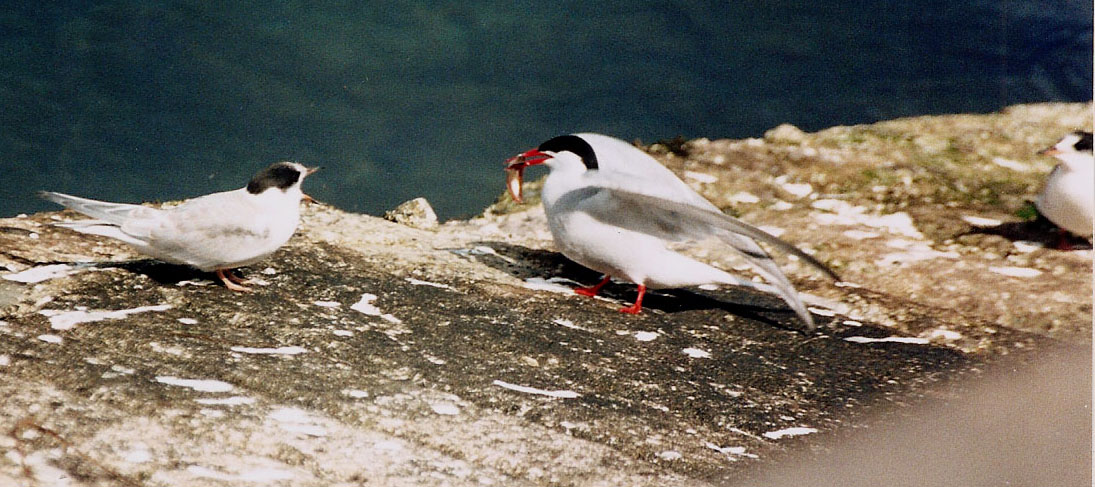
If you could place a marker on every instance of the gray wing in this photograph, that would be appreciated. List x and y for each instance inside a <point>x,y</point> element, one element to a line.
<point>112,213</point>
<point>206,232</point>
<point>629,162</point>
<point>660,213</point>
<point>120,221</point>
<point>673,220</point>
<point>210,232</point>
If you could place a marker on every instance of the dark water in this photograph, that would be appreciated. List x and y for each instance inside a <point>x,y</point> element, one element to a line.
<point>142,100</point>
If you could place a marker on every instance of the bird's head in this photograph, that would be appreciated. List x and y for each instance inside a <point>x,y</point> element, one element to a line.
<point>281,176</point>
<point>1074,142</point>
<point>1073,149</point>
<point>563,153</point>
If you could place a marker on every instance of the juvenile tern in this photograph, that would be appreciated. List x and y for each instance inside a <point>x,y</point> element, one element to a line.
<point>215,233</point>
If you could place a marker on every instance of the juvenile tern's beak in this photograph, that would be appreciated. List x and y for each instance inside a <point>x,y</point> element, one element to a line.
<point>308,171</point>
<point>1050,151</point>
<point>515,170</point>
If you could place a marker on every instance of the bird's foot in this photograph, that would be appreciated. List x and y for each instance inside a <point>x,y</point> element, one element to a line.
<point>236,278</point>
<point>587,291</point>
<point>634,309</point>
<point>592,290</point>
<point>232,282</point>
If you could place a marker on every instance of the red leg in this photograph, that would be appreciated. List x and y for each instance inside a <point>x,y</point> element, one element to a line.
<point>638,306</point>
<point>592,291</point>
<point>236,278</point>
<point>231,285</point>
<point>1063,240</point>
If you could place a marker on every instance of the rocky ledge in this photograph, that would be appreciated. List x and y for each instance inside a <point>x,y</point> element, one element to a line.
<point>381,353</point>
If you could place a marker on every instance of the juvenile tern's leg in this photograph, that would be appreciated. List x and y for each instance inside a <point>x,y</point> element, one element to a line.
<point>593,290</point>
<point>231,285</point>
<point>638,306</point>
<point>236,278</point>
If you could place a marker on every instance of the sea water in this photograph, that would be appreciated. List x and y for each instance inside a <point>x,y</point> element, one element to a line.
<point>152,100</point>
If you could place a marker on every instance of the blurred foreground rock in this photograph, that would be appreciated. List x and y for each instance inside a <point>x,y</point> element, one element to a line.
<point>375,353</point>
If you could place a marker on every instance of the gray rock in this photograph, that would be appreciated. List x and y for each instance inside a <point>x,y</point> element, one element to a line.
<point>785,134</point>
<point>415,213</point>
<point>458,356</point>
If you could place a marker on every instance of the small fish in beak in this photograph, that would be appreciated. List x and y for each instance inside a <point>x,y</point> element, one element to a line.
<point>515,170</point>
<point>514,178</point>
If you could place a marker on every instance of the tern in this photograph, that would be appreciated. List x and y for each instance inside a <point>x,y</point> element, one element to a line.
<point>614,209</point>
<point>214,233</point>
<point>1068,198</point>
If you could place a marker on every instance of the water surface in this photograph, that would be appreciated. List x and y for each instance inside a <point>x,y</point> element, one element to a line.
<point>139,100</point>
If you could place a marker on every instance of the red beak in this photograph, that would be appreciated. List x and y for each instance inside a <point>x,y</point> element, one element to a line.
<point>515,170</point>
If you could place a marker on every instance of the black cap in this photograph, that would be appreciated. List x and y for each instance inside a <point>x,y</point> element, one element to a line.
<point>572,143</point>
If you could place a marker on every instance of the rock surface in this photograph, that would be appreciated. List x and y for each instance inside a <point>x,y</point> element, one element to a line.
<point>415,213</point>
<point>375,353</point>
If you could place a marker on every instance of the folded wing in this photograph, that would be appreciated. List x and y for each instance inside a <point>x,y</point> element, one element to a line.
<point>112,213</point>
<point>210,232</point>
<point>661,213</point>
<point>215,231</point>
<point>125,222</point>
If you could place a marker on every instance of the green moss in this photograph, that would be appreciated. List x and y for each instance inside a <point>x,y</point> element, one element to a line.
<point>1027,212</point>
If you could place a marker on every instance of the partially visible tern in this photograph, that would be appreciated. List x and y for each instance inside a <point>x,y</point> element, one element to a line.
<point>215,233</point>
<point>1068,198</point>
<point>614,209</point>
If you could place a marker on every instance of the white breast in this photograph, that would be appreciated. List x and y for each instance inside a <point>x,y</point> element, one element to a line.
<point>1068,199</point>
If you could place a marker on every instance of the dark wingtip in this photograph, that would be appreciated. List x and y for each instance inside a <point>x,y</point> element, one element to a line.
<point>817,264</point>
